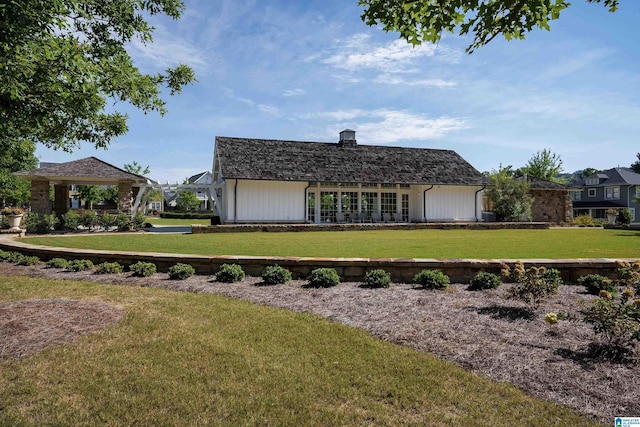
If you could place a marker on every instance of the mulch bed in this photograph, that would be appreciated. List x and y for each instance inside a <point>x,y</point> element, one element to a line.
<point>483,331</point>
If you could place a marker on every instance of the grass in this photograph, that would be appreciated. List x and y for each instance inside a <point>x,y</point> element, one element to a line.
<point>156,220</point>
<point>192,359</point>
<point>483,244</point>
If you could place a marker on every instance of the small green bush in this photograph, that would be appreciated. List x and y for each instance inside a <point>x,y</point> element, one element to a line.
<point>40,223</point>
<point>123,222</point>
<point>143,269</point>
<point>109,268</point>
<point>106,221</point>
<point>88,219</point>
<point>181,271</point>
<point>624,217</point>
<point>80,265</point>
<point>58,263</point>
<point>432,279</point>
<point>28,260</point>
<point>5,256</point>
<point>584,221</point>
<point>275,275</point>
<point>12,257</point>
<point>484,280</point>
<point>629,274</point>
<point>71,220</point>
<point>138,221</point>
<point>230,273</point>
<point>324,278</point>
<point>534,284</point>
<point>596,283</point>
<point>377,279</point>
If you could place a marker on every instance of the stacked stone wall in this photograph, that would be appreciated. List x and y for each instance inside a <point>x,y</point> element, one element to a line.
<point>551,206</point>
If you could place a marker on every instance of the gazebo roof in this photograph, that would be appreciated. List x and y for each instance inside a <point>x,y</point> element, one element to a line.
<point>90,170</point>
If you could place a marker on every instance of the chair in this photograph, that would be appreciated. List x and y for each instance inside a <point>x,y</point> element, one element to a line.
<point>340,218</point>
<point>375,217</point>
<point>386,217</point>
<point>355,217</point>
<point>365,217</point>
<point>397,217</point>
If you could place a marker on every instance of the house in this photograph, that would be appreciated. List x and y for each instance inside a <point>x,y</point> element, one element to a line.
<point>198,184</point>
<point>614,188</point>
<point>262,180</point>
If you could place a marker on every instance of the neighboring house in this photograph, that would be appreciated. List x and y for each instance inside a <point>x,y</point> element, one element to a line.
<point>199,184</point>
<point>551,201</point>
<point>260,180</point>
<point>614,188</point>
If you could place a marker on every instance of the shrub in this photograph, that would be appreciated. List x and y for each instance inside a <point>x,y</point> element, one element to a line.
<point>41,223</point>
<point>5,256</point>
<point>28,260</point>
<point>143,269</point>
<point>624,217</point>
<point>12,257</point>
<point>230,273</point>
<point>484,280</point>
<point>275,275</point>
<point>109,268</point>
<point>618,321</point>
<point>123,222</point>
<point>138,221</point>
<point>596,283</point>
<point>186,215</point>
<point>80,265</point>
<point>534,284</point>
<point>377,279</point>
<point>629,274</point>
<point>106,221</point>
<point>584,221</point>
<point>88,219</point>
<point>432,279</point>
<point>324,278</point>
<point>71,220</point>
<point>58,263</point>
<point>181,271</point>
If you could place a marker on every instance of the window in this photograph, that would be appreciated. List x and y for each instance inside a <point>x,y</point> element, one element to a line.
<point>369,185</point>
<point>349,202</point>
<point>637,191</point>
<point>156,206</point>
<point>405,186</point>
<point>311,207</point>
<point>328,206</point>
<point>592,181</point>
<point>388,203</point>
<point>369,202</point>
<point>575,195</point>
<point>387,185</point>
<point>592,192</point>
<point>612,193</point>
<point>633,214</point>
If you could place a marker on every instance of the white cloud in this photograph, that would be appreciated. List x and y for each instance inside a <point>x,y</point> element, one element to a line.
<point>269,109</point>
<point>391,79</point>
<point>294,92</point>
<point>384,126</point>
<point>164,53</point>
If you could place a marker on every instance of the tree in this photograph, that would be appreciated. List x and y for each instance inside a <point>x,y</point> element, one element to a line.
<point>137,169</point>
<point>510,198</point>
<point>420,21</point>
<point>587,172</point>
<point>544,165</point>
<point>635,166</point>
<point>90,194</point>
<point>63,60</point>
<point>14,157</point>
<point>187,201</point>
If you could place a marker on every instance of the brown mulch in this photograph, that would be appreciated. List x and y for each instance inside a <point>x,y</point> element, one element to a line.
<point>481,331</point>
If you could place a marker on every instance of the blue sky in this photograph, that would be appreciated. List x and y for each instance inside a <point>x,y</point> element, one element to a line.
<point>307,70</point>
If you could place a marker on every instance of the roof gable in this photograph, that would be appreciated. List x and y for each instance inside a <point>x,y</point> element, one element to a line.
<point>265,159</point>
<point>615,176</point>
<point>87,169</point>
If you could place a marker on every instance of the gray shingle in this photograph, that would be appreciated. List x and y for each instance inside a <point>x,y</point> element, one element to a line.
<point>87,168</point>
<point>265,159</point>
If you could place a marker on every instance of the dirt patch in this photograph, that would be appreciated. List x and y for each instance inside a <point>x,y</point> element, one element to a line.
<point>30,326</point>
<point>483,331</point>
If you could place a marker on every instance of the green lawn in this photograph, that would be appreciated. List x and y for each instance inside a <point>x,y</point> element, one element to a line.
<point>484,244</point>
<point>198,359</point>
<point>156,220</point>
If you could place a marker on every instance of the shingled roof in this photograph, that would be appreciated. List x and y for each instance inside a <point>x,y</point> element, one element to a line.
<point>277,160</point>
<point>87,169</point>
<point>536,183</point>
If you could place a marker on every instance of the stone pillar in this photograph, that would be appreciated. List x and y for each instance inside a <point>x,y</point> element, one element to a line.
<point>61,199</point>
<point>40,200</point>
<point>125,197</point>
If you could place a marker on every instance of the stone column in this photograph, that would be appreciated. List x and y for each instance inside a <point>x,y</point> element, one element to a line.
<point>125,197</point>
<point>61,199</point>
<point>40,200</point>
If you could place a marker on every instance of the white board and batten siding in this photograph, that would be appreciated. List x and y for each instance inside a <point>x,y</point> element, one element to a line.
<point>448,203</point>
<point>265,201</point>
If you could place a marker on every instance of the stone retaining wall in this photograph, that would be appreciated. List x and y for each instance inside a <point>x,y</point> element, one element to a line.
<point>350,269</point>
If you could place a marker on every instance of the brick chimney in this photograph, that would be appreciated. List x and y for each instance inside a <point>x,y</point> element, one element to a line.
<point>347,138</point>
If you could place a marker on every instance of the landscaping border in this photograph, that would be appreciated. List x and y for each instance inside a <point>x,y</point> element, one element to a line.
<point>350,269</point>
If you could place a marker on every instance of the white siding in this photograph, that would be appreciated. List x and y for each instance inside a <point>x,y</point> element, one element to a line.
<point>448,203</point>
<point>265,201</point>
